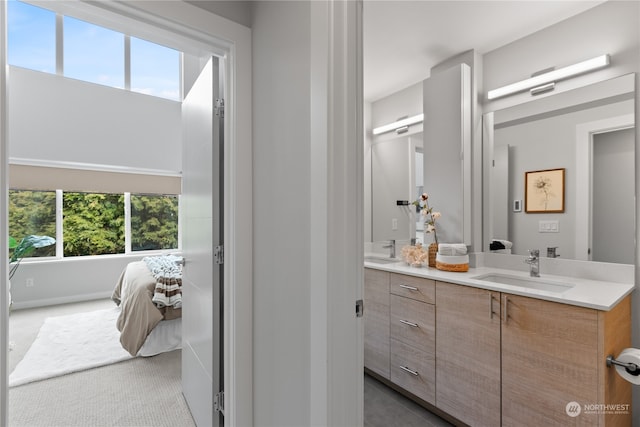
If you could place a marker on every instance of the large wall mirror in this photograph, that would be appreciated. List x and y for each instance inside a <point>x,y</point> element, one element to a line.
<point>396,175</point>
<point>589,135</point>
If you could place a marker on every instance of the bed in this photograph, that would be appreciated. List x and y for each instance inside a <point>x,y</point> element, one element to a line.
<point>146,327</point>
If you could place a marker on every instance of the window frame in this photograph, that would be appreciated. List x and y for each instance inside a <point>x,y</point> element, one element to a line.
<point>59,252</point>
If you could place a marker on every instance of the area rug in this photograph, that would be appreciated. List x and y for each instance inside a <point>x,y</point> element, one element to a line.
<point>71,343</point>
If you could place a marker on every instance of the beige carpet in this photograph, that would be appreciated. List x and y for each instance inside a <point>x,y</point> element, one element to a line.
<point>136,393</point>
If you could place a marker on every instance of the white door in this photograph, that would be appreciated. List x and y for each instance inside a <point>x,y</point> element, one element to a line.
<point>202,233</point>
<point>613,184</point>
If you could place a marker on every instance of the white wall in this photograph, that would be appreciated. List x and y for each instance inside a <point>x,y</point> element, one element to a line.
<point>308,171</point>
<point>53,118</point>
<point>73,279</point>
<point>281,183</point>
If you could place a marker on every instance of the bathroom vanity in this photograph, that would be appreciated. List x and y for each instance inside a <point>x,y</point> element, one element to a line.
<point>490,353</point>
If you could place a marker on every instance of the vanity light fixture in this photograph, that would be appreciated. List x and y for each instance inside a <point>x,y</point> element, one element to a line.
<point>403,123</point>
<point>550,77</point>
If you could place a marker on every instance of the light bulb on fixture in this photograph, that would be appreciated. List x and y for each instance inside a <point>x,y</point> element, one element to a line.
<point>543,80</point>
<point>403,123</point>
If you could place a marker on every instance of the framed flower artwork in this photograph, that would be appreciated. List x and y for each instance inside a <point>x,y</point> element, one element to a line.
<point>544,191</point>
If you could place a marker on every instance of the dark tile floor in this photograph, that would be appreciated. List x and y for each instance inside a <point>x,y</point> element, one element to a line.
<point>384,407</point>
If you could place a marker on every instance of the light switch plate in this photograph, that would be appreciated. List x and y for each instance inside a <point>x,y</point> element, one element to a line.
<point>548,226</point>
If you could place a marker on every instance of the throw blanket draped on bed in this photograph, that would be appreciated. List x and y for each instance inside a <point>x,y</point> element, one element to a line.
<point>139,315</point>
<point>168,275</point>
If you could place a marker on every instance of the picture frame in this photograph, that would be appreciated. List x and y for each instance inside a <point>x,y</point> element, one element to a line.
<point>544,191</point>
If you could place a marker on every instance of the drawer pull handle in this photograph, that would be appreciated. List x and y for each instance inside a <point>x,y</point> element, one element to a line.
<point>413,325</point>
<point>506,310</point>
<point>404,368</point>
<point>411,288</point>
<point>491,313</point>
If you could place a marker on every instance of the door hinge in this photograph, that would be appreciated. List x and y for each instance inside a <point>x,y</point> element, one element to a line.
<point>220,107</point>
<point>218,402</point>
<point>218,254</point>
<point>359,308</point>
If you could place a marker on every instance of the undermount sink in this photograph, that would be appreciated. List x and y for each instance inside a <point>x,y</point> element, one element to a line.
<point>381,260</point>
<point>537,283</point>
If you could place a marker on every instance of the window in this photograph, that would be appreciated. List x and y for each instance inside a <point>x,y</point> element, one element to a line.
<point>154,222</point>
<point>92,53</point>
<point>93,224</point>
<point>31,33</point>
<point>33,212</point>
<point>155,69</point>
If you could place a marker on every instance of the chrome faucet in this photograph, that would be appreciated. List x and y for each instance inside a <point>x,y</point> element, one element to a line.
<point>392,248</point>
<point>534,262</point>
<point>552,252</point>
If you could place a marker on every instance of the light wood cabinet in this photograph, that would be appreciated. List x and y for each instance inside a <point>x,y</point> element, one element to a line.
<point>468,354</point>
<point>376,321</point>
<point>554,354</point>
<point>494,359</point>
<point>516,361</point>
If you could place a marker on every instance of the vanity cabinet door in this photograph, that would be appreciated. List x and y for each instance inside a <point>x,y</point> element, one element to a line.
<point>468,353</point>
<point>549,359</point>
<point>376,321</point>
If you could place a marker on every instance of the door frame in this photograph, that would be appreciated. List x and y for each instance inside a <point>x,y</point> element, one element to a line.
<point>584,165</point>
<point>232,43</point>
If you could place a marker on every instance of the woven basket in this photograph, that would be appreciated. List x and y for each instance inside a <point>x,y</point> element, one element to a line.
<point>461,268</point>
<point>433,250</point>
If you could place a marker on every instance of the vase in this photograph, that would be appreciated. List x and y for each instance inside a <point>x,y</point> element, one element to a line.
<point>433,250</point>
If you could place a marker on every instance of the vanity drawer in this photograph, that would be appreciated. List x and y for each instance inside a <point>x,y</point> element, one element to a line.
<point>413,370</point>
<point>413,322</point>
<point>412,287</point>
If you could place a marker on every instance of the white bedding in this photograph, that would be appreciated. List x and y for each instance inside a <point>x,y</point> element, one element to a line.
<point>166,336</point>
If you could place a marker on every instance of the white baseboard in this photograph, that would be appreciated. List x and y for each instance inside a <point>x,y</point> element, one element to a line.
<point>58,301</point>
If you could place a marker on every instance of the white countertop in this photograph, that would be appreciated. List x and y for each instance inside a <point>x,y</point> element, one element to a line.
<point>594,294</point>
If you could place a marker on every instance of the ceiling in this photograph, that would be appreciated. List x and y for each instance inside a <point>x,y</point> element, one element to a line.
<point>404,39</point>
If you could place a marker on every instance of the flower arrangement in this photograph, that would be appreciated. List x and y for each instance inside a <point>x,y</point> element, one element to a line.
<point>415,255</point>
<point>429,215</point>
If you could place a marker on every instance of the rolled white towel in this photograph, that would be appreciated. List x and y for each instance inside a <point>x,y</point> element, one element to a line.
<point>452,259</point>
<point>452,249</point>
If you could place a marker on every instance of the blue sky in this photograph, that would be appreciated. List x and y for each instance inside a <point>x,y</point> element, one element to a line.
<point>91,53</point>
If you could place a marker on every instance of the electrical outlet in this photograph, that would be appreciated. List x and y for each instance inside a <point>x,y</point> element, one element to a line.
<point>394,223</point>
<point>29,282</point>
